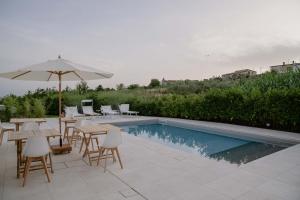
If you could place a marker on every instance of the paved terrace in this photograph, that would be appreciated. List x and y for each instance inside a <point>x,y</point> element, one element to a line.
<point>154,171</point>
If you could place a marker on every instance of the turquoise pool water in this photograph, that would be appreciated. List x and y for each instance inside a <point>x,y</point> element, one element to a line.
<point>207,144</point>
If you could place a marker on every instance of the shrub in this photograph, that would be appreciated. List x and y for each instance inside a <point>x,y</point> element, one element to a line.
<point>269,98</point>
<point>38,109</point>
<point>154,83</point>
<point>27,112</point>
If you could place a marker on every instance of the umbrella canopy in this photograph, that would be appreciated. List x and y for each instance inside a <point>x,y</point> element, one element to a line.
<point>49,71</point>
<point>57,70</point>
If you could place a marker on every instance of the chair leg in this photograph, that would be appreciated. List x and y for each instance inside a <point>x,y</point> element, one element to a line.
<point>99,157</point>
<point>97,142</point>
<point>72,136</point>
<point>89,157</point>
<point>92,144</point>
<point>117,151</point>
<point>76,137</point>
<point>113,155</point>
<point>106,154</point>
<point>45,168</point>
<point>51,166</point>
<point>81,145</point>
<point>26,170</point>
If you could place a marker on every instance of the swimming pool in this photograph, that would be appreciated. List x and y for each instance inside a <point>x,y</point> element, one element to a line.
<point>215,146</point>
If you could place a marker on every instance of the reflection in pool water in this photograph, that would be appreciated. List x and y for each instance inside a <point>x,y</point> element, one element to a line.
<point>215,146</point>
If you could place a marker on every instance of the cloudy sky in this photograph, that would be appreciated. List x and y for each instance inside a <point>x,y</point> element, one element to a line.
<point>142,39</point>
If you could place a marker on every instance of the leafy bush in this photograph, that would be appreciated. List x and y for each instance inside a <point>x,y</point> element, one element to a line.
<point>27,112</point>
<point>267,100</point>
<point>22,107</point>
<point>38,109</point>
<point>154,83</point>
<point>51,104</point>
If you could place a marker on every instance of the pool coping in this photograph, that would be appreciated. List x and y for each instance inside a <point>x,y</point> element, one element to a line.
<point>282,138</point>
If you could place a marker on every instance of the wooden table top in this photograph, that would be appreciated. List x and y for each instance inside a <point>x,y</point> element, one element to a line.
<point>22,120</point>
<point>68,119</point>
<point>22,135</point>
<point>97,128</point>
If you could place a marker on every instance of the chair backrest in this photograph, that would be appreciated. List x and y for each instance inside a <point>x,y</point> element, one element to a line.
<point>112,139</point>
<point>106,108</point>
<point>80,122</point>
<point>124,107</point>
<point>87,110</point>
<point>70,111</point>
<point>36,146</point>
<point>87,102</point>
<point>30,126</point>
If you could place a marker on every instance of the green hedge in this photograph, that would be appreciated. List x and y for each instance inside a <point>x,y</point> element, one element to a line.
<point>277,109</point>
<point>22,107</point>
<point>268,100</point>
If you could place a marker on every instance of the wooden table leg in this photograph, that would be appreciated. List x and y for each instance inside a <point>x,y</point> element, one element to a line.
<point>87,143</point>
<point>19,154</point>
<point>17,126</point>
<point>66,134</point>
<point>87,152</point>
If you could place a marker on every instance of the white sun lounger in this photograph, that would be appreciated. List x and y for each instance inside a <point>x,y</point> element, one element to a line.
<point>106,110</point>
<point>88,110</point>
<point>72,111</point>
<point>124,109</point>
<point>87,107</point>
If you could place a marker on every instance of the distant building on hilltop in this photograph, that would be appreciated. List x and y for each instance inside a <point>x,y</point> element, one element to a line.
<point>239,73</point>
<point>166,82</point>
<point>285,67</point>
<point>227,76</point>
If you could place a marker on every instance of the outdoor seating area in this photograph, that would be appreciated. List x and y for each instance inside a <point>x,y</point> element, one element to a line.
<point>36,143</point>
<point>99,167</point>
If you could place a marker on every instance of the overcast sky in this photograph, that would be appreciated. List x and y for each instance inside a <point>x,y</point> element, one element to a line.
<point>142,39</point>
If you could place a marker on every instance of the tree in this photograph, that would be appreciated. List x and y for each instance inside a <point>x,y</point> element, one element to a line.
<point>38,108</point>
<point>120,86</point>
<point>99,88</point>
<point>109,89</point>
<point>154,83</point>
<point>67,89</point>
<point>133,86</point>
<point>27,108</point>
<point>82,87</point>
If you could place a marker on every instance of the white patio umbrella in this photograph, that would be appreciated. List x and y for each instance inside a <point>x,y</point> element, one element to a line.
<point>57,70</point>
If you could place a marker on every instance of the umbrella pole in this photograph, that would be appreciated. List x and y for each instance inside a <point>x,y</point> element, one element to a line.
<point>59,104</point>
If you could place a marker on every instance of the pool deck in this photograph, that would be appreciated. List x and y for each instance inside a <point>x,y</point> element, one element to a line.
<point>154,171</point>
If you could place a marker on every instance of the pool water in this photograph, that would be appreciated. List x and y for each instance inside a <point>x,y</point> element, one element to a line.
<point>207,144</point>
